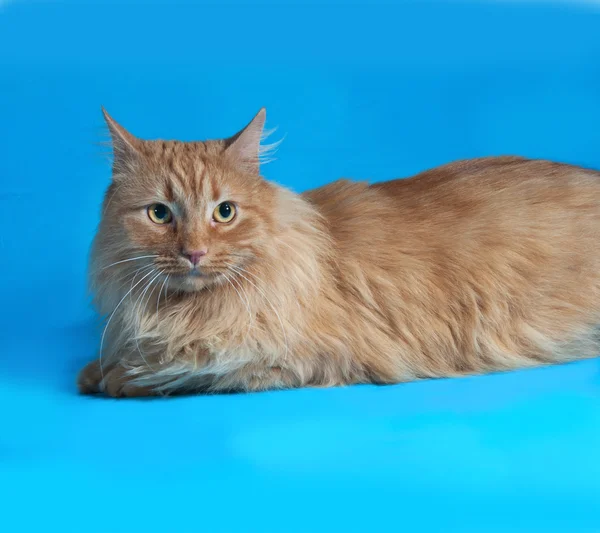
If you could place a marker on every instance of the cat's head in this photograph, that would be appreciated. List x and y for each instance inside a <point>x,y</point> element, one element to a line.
<point>192,211</point>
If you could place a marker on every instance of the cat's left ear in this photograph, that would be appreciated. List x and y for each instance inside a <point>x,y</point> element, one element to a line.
<point>244,147</point>
<point>126,147</point>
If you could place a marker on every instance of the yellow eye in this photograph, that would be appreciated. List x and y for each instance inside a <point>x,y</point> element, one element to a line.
<point>160,214</point>
<point>224,212</point>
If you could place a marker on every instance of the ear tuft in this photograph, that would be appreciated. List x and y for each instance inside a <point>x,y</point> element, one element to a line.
<point>126,147</point>
<point>244,147</point>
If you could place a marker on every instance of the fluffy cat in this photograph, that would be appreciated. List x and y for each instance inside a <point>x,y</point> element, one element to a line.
<point>213,279</point>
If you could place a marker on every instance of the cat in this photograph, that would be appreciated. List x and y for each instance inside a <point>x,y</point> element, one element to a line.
<point>213,279</point>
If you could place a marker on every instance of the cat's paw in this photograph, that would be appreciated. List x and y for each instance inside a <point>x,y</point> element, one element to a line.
<point>88,380</point>
<point>111,381</point>
<point>118,384</point>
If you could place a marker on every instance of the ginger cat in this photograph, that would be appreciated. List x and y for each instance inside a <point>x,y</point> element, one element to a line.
<point>214,279</point>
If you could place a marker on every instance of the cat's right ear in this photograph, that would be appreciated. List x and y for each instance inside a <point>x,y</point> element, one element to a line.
<point>125,146</point>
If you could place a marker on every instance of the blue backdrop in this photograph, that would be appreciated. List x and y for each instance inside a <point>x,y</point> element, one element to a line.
<point>372,92</point>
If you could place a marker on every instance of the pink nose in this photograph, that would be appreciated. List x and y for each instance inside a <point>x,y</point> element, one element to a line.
<point>194,256</point>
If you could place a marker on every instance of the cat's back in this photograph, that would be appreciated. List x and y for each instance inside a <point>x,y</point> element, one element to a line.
<point>493,179</point>
<point>460,191</point>
<point>486,202</point>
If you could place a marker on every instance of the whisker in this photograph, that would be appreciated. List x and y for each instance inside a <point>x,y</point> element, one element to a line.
<point>126,260</point>
<point>239,271</point>
<point>135,276</point>
<point>241,287</point>
<point>153,289</point>
<point>138,306</point>
<point>157,305</point>
<point>113,314</point>
<point>246,303</point>
<point>245,296</point>
<point>159,294</point>
<point>125,278</point>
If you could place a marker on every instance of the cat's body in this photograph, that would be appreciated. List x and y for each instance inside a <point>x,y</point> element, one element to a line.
<point>476,266</point>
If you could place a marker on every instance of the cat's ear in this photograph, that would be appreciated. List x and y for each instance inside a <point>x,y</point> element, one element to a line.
<point>244,146</point>
<point>126,147</point>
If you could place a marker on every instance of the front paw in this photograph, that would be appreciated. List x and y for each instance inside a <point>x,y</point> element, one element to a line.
<point>113,381</point>
<point>118,384</point>
<point>88,380</point>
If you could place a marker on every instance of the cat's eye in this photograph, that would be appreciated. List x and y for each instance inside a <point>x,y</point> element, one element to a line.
<point>160,214</point>
<point>224,212</point>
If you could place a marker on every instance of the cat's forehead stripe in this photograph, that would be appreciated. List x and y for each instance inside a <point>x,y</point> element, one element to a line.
<point>169,191</point>
<point>215,189</point>
<point>179,173</point>
<point>204,187</point>
<point>187,172</point>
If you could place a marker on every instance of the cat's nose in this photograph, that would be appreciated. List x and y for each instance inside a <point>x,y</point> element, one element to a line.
<point>194,256</point>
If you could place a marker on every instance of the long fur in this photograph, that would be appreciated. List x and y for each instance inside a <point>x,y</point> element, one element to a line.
<point>476,266</point>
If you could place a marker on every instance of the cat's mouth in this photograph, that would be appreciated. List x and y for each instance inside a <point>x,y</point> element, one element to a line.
<point>182,272</point>
<point>192,274</point>
<point>194,279</point>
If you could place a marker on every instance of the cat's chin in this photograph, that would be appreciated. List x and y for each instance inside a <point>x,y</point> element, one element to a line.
<point>190,282</point>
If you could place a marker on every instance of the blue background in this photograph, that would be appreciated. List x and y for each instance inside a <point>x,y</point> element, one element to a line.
<point>371,92</point>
